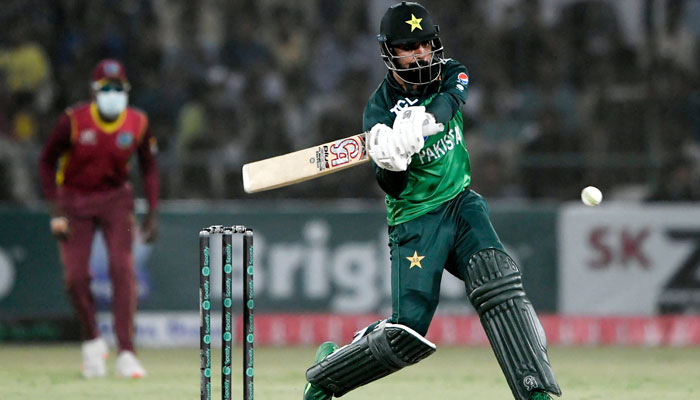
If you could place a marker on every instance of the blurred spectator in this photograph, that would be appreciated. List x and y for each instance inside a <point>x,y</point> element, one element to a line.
<point>243,48</point>
<point>672,105</point>
<point>251,79</point>
<point>493,178</point>
<point>288,40</point>
<point>340,45</point>
<point>25,96</point>
<point>27,73</point>
<point>193,137</point>
<point>675,39</point>
<point>693,112</point>
<point>678,181</point>
<point>548,165</point>
<point>523,42</point>
<point>15,176</point>
<point>592,34</point>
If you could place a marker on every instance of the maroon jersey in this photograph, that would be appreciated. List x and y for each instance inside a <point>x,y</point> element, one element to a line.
<point>86,154</point>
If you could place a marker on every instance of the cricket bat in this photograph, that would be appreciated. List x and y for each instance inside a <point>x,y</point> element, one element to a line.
<point>305,164</point>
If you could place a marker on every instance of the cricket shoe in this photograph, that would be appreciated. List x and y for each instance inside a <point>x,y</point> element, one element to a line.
<point>95,354</point>
<point>311,391</point>
<point>539,395</point>
<point>128,366</point>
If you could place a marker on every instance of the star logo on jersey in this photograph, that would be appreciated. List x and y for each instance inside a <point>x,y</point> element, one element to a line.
<point>415,260</point>
<point>414,22</point>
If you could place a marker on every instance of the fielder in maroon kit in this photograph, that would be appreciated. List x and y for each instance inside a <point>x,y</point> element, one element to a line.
<point>84,169</point>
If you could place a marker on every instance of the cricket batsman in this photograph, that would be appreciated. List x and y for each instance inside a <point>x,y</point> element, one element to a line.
<point>84,170</point>
<point>435,223</point>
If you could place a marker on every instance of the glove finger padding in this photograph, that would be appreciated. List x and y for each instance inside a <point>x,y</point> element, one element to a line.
<point>408,125</point>
<point>386,149</point>
<point>430,126</point>
<point>412,125</point>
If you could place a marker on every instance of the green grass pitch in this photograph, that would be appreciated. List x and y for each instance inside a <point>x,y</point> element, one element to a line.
<point>52,372</point>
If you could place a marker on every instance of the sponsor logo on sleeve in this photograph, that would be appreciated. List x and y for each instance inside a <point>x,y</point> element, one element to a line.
<point>463,78</point>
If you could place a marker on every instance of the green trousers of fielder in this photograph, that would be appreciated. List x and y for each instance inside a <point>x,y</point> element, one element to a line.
<point>466,245</point>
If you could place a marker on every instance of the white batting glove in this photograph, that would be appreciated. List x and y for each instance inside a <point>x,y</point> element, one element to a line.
<point>386,149</point>
<point>412,124</point>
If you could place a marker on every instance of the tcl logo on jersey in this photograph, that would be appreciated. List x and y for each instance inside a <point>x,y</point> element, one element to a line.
<point>401,104</point>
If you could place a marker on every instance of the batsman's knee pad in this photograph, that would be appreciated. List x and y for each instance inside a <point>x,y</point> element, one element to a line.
<point>495,288</point>
<point>384,350</point>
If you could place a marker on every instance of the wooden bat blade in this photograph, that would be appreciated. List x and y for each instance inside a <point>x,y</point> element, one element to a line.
<point>305,164</point>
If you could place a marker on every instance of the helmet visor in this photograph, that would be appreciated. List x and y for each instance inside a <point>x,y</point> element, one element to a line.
<point>414,68</point>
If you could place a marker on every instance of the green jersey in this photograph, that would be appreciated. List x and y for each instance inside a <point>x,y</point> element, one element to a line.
<point>441,170</point>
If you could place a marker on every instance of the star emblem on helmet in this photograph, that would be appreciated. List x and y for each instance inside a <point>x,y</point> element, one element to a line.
<point>414,22</point>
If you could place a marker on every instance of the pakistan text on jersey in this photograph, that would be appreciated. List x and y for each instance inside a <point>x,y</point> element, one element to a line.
<point>441,147</point>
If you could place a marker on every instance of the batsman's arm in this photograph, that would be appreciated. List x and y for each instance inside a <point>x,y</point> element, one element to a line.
<point>453,93</point>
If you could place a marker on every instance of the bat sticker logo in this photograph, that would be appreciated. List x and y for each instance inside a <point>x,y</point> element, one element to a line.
<point>321,158</point>
<point>346,150</point>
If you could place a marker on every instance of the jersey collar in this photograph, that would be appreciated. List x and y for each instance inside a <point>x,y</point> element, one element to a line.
<point>106,126</point>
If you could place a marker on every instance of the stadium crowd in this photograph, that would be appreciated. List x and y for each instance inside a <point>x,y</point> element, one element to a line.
<point>562,94</point>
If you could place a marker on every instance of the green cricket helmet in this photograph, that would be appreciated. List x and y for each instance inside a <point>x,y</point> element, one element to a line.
<point>404,24</point>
